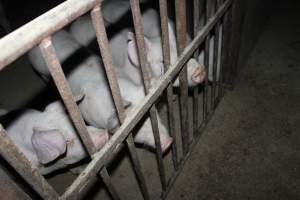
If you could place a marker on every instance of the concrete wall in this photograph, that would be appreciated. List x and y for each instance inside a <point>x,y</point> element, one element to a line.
<point>255,16</point>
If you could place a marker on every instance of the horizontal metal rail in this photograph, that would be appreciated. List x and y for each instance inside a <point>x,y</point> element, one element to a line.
<point>31,34</point>
<point>131,121</point>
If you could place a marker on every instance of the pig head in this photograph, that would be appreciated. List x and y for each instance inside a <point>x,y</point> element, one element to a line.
<point>49,140</point>
<point>103,114</point>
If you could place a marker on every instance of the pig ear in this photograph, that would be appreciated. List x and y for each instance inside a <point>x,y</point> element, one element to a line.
<point>48,144</point>
<point>78,98</point>
<point>132,48</point>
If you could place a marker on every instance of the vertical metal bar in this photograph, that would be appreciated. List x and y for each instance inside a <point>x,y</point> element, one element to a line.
<point>131,121</point>
<point>225,50</point>
<point>63,87</point>
<point>105,51</point>
<point>138,27</point>
<point>23,166</point>
<point>215,58</point>
<point>61,83</point>
<point>196,28</point>
<point>180,9</point>
<point>167,61</point>
<point>206,62</point>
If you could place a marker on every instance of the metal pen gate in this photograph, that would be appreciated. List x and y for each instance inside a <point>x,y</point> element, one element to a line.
<point>217,13</point>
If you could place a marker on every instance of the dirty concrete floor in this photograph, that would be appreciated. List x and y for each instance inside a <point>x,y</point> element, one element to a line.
<point>250,149</point>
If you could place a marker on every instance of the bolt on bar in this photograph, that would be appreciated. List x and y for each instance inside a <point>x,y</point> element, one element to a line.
<point>167,61</point>
<point>180,10</point>
<point>131,121</point>
<point>105,51</point>
<point>138,27</point>
<point>63,87</point>
<point>31,34</point>
<point>23,166</point>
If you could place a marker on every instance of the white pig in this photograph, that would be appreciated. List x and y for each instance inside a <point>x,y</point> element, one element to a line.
<point>87,78</point>
<point>124,48</point>
<point>100,97</point>
<point>49,140</point>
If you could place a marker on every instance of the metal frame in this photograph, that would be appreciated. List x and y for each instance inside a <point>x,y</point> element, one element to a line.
<point>39,31</point>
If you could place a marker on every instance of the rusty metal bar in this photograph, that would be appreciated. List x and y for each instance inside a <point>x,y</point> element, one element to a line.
<point>23,166</point>
<point>63,87</point>
<point>105,51</point>
<point>184,160</point>
<point>163,9</point>
<point>131,121</point>
<point>180,12</point>
<point>31,34</point>
<point>138,27</point>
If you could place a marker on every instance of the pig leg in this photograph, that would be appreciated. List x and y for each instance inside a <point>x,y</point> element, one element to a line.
<point>145,135</point>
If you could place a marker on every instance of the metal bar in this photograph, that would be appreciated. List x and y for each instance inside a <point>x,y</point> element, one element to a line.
<point>23,166</point>
<point>31,34</point>
<point>131,121</point>
<point>105,51</point>
<point>138,27</point>
<point>167,61</point>
<point>10,189</point>
<point>196,28</point>
<point>108,183</point>
<point>63,87</point>
<point>215,58</point>
<point>225,50</point>
<point>180,11</point>
<point>200,130</point>
<point>206,61</point>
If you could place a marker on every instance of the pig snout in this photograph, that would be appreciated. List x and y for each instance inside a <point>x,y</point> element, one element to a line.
<point>98,136</point>
<point>100,140</point>
<point>198,71</point>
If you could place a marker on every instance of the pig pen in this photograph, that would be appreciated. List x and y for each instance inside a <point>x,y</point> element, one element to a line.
<point>120,170</point>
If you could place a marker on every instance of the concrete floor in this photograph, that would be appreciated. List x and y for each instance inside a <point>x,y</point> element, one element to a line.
<point>250,149</point>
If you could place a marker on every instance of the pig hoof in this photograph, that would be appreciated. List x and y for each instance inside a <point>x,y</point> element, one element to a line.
<point>166,145</point>
<point>199,74</point>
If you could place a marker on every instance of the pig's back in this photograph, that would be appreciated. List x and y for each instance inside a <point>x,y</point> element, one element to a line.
<point>65,47</point>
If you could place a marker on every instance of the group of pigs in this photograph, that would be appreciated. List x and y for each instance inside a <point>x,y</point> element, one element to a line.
<point>48,138</point>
